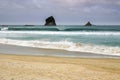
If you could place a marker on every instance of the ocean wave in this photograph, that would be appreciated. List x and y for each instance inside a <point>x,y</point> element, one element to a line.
<point>58,28</point>
<point>62,32</point>
<point>65,45</point>
<point>4,28</point>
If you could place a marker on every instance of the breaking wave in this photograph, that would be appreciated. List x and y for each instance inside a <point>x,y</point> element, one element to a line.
<point>61,32</point>
<point>65,45</point>
<point>58,28</point>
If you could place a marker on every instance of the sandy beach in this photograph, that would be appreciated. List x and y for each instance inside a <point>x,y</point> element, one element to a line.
<point>18,67</point>
<point>59,39</point>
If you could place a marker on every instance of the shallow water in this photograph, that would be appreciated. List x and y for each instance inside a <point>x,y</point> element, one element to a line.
<point>95,39</point>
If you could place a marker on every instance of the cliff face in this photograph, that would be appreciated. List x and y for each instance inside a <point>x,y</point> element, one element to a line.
<point>50,21</point>
<point>88,24</point>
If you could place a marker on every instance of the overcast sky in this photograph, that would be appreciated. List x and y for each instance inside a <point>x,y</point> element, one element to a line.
<point>65,11</point>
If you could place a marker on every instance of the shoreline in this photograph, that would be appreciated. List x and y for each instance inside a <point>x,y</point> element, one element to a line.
<point>22,50</point>
<point>19,67</point>
<point>45,64</point>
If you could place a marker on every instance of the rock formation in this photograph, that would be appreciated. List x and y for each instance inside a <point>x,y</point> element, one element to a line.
<point>50,21</point>
<point>88,24</point>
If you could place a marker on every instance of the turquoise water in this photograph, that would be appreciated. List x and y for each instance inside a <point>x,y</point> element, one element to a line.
<point>64,37</point>
<point>62,28</point>
<point>100,35</point>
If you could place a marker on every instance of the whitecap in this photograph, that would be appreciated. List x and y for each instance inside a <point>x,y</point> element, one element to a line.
<point>65,45</point>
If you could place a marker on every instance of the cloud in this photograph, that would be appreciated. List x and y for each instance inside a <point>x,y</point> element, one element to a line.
<point>67,9</point>
<point>18,4</point>
<point>84,2</point>
<point>56,3</point>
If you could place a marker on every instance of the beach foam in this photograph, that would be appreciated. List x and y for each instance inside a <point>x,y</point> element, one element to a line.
<point>65,45</point>
<point>61,32</point>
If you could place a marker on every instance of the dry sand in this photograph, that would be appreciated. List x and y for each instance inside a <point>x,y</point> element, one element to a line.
<point>13,67</point>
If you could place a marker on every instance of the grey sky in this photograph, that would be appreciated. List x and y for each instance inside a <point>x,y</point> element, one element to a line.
<point>64,11</point>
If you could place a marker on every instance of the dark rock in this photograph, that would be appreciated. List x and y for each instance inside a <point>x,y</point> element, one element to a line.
<point>50,21</point>
<point>88,24</point>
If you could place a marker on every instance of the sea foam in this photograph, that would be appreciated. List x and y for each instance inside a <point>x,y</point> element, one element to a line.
<point>65,45</point>
<point>62,32</point>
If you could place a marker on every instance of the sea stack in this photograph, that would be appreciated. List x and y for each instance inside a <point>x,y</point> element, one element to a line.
<point>50,21</point>
<point>88,24</point>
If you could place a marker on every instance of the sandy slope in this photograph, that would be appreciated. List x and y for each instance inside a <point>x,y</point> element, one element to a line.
<point>13,67</point>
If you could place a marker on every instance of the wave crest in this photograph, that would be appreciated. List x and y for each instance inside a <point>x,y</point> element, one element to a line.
<point>61,32</point>
<point>65,45</point>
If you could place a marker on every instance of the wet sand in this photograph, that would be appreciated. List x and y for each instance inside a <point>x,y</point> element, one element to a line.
<point>18,67</point>
<point>25,63</point>
<point>20,50</point>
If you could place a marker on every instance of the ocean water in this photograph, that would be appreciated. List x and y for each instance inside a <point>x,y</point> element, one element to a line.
<point>93,39</point>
